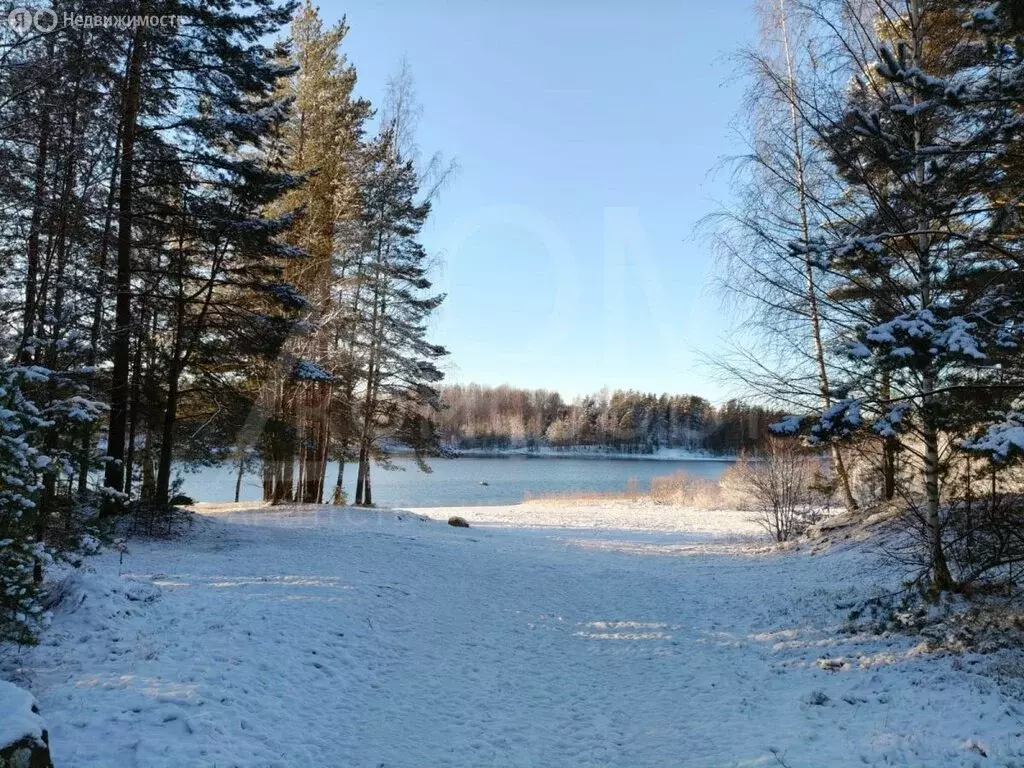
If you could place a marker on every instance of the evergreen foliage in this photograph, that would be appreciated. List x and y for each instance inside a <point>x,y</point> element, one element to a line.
<point>21,466</point>
<point>910,118</point>
<point>208,260</point>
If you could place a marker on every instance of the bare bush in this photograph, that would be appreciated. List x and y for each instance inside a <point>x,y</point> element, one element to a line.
<point>779,488</point>
<point>984,522</point>
<point>981,526</point>
<point>985,539</point>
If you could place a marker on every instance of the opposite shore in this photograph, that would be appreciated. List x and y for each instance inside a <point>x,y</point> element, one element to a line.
<point>590,452</point>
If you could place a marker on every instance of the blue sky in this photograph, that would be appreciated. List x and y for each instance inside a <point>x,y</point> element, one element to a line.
<point>586,136</point>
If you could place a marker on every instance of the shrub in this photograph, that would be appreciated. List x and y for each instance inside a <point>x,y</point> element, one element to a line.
<point>777,486</point>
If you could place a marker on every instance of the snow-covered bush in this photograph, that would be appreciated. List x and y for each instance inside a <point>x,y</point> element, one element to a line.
<point>20,462</point>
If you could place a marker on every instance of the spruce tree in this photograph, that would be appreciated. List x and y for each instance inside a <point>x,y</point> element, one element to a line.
<point>191,100</point>
<point>924,261</point>
<point>20,494</point>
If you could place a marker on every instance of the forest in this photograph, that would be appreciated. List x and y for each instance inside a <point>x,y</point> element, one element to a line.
<point>497,418</point>
<point>211,250</point>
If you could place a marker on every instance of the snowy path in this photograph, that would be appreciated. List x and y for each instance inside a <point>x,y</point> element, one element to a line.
<point>358,639</point>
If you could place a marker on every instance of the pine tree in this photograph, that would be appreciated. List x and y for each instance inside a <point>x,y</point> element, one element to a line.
<point>321,142</point>
<point>189,103</point>
<point>401,374</point>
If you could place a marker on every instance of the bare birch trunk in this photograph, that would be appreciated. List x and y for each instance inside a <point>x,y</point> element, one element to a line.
<point>812,290</point>
<point>941,577</point>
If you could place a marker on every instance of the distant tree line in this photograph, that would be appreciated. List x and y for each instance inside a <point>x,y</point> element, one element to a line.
<point>503,417</point>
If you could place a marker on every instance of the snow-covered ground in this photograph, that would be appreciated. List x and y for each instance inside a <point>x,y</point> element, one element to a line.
<point>350,638</point>
<point>641,514</point>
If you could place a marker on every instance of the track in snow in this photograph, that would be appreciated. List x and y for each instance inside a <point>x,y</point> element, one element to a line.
<point>353,639</point>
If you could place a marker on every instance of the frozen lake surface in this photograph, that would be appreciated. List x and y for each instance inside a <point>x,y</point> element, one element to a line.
<point>458,482</point>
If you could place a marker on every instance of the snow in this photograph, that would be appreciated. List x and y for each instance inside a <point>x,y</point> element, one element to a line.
<point>858,350</point>
<point>840,418</point>
<point>789,425</point>
<point>910,110</point>
<point>307,370</point>
<point>953,336</point>
<point>888,425</point>
<point>625,636</point>
<point>984,20</point>
<point>17,720</point>
<point>35,373</point>
<point>1001,441</point>
<point>957,337</point>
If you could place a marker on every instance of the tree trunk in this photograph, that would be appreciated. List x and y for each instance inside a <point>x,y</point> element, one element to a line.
<point>941,578</point>
<point>120,346</point>
<point>324,456</point>
<point>367,491</point>
<point>163,475</point>
<point>96,327</point>
<point>812,290</point>
<point>889,447</point>
<point>360,474</point>
<point>284,455</point>
<point>286,477</point>
<point>338,488</point>
<point>969,479</point>
<point>133,410</point>
<point>268,475</point>
<point>316,450</point>
<point>35,223</point>
<point>302,425</point>
<point>147,489</point>
<point>278,496</point>
<point>238,479</point>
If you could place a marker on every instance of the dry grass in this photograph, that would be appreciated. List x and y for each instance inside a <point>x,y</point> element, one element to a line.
<point>679,489</point>
<point>683,489</point>
<point>632,492</point>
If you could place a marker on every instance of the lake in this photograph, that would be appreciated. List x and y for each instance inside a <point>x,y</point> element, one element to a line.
<point>457,482</point>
